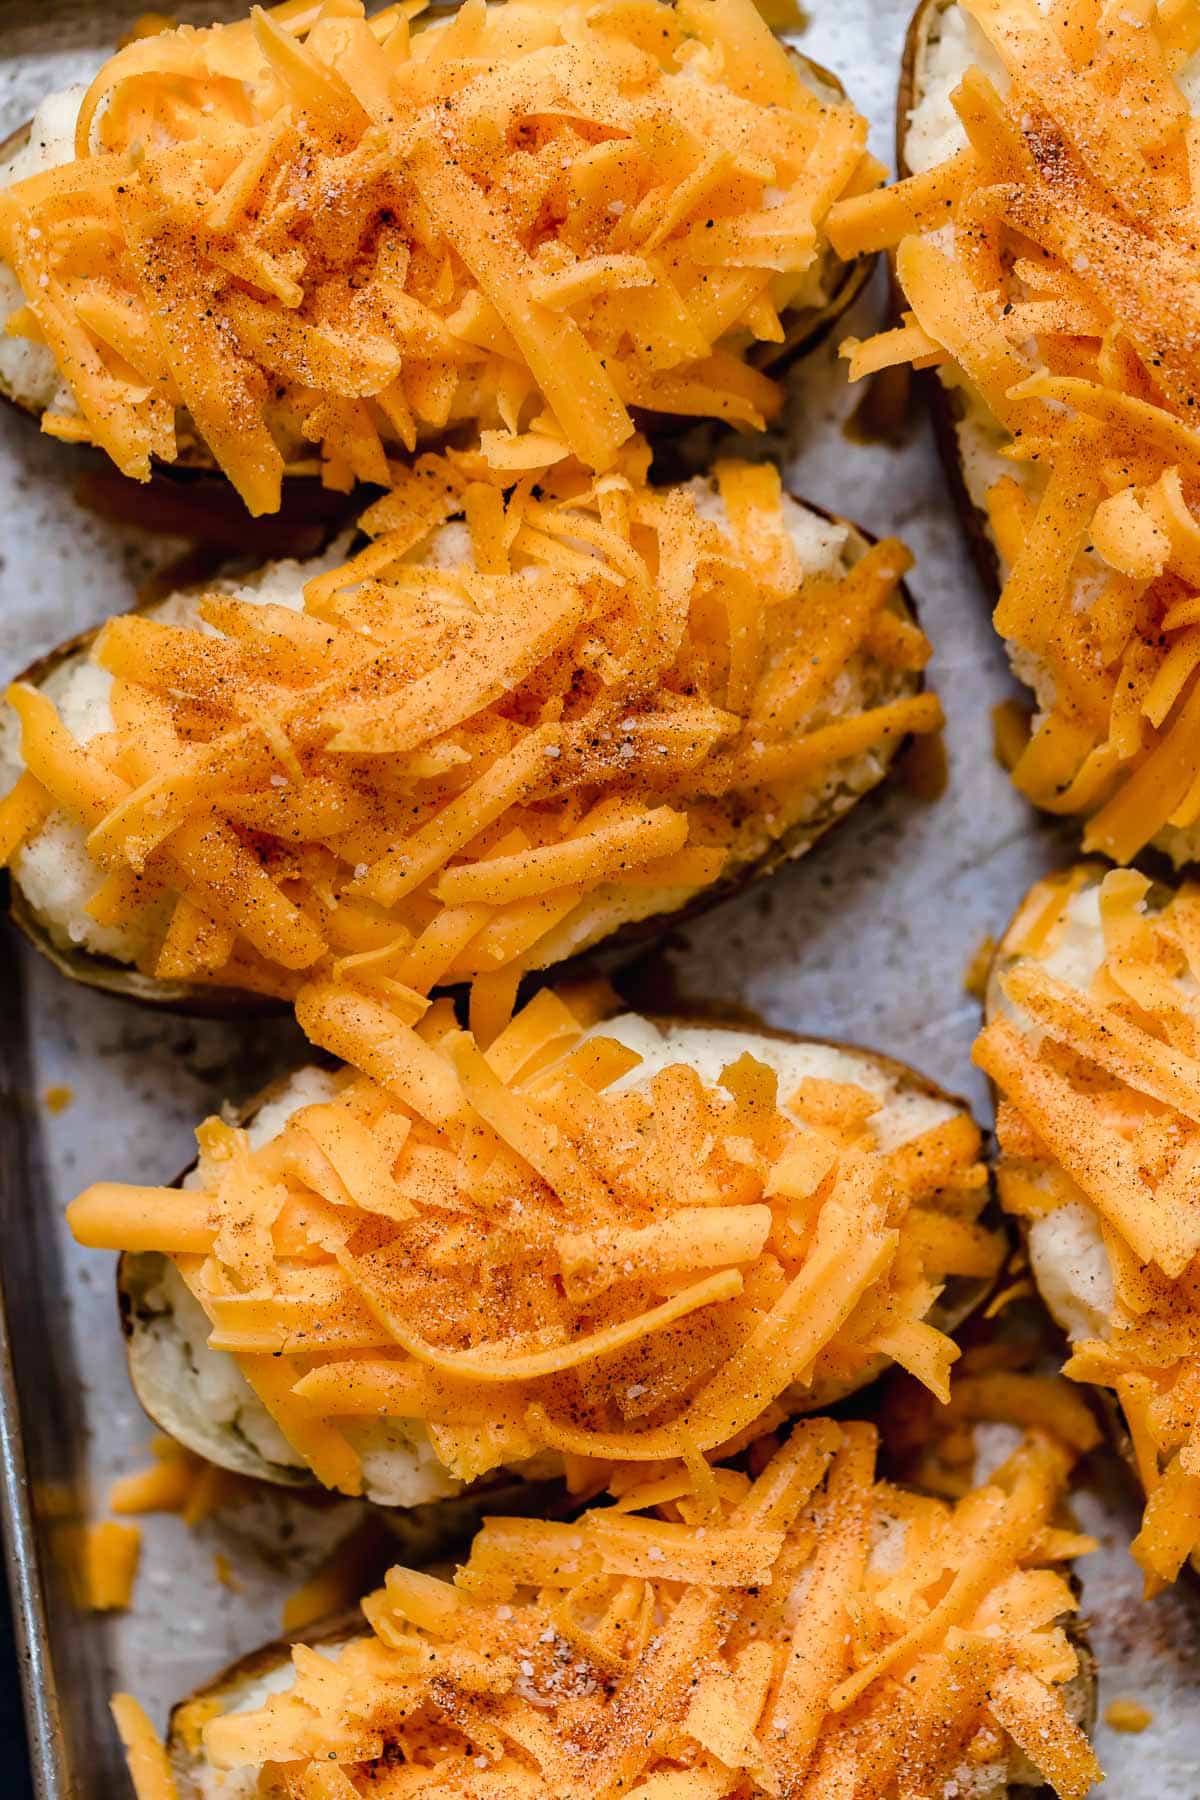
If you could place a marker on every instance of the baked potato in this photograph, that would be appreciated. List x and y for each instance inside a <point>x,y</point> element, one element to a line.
<point>515,725</point>
<point>661,1245</point>
<point>538,231</point>
<point>503,1681</point>
<point>1037,243</point>
<point>1090,1045</point>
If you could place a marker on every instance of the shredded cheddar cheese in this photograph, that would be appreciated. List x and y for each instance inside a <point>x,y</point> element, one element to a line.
<point>456,764</point>
<point>145,1754</point>
<point>109,1553</point>
<point>1100,1079</point>
<point>507,1248</point>
<point>311,232</point>
<point>1046,271</point>
<point>1124,1714</point>
<point>809,1631</point>
<point>176,1481</point>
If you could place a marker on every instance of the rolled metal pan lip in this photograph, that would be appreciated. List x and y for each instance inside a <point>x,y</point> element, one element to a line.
<point>200,1000</point>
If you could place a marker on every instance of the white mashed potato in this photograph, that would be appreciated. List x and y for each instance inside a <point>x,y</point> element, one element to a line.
<point>54,872</point>
<point>204,1387</point>
<point>201,1387</point>
<point>58,879</point>
<point>905,1112</point>
<point>1066,1249</point>
<point>27,370</point>
<point>242,1784</point>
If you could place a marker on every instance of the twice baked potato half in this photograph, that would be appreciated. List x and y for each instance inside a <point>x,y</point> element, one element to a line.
<point>302,239</point>
<point>1039,245</point>
<point>519,722</point>
<point>746,1665</point>
<point>603,1237</point>
<point>1091,1043</point>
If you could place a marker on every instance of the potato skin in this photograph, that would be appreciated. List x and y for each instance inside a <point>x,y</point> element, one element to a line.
<point>229,1684</point>
<point>1103,1403</point>
<point>960,1298</point>
<point>804,330</point>
<point>939,399</point>
<point>200,1000</point>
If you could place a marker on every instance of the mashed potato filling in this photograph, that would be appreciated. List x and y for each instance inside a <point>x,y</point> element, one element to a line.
<point>1093,1042</point>
<point>520,718</point>
<point>712,1633</point>
<point>588,1237</point>
<point>313,232</point>
<point>1043,244</point>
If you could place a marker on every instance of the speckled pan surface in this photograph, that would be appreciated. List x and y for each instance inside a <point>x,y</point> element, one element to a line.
<point>865,940</point>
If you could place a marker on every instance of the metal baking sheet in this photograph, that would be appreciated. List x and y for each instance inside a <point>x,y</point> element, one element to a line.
<point>867,940</point>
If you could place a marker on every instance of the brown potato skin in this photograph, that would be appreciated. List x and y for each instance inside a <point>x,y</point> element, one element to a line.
<point>200,1000</point>
<point>938,398</point>
<point>961,1298</point>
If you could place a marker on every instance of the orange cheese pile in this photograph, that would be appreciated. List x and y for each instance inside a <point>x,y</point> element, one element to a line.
<point>102,1563</point>
<point>146,1759</point>
<point>1048,268</point>
<point>317,231</point>
<point>495,1244</point>
<point>429,771</point>
<point>1101,1102</point>
<point>808,1632</point>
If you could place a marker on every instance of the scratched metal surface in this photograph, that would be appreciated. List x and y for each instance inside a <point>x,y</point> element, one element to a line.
<point>866,940</point>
